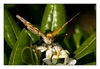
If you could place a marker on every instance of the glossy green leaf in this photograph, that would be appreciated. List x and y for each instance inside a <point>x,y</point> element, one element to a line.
<point>33,36</point>
<point>87,47</point>
<point>54,17</point>
<point>11,29</point>
<point>5,59</point>
<point>22,42</point>
<point>27,56</point>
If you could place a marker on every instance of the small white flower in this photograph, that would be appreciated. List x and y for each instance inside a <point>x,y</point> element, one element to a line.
<point>49,53</point>
<point>64,55</point>
<point>47,61</point>
<point>54,52</point>
<point>72,61</point>
<point>59,64</point>
<point>57,49</point>
<point>55,57</point>
<point>50,61</point>
<point>42,48</point>
<point>54,61</point>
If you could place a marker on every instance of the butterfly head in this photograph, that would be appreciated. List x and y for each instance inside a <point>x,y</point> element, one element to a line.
<point>49,38</point>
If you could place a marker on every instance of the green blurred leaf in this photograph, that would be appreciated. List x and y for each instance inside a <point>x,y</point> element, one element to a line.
<point>54,17</point>
<point>22,42</point>
<point>92,63</point>
<point>95,8</point>
<point>27,56</point>
<point>87,47</point>
<point>10,6</point>
<point>77,36</point>
<point>92,29</point>
<point>5,59</point>
<point>71,43</point>
<point>95,53</point>
<point>11,29</point>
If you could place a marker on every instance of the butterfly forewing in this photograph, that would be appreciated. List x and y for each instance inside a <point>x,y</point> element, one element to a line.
<point>31,27</point>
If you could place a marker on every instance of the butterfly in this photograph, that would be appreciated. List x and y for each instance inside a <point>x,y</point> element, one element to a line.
<point>49,37</point>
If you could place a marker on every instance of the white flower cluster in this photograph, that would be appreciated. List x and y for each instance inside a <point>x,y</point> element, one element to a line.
<point>54,52</point>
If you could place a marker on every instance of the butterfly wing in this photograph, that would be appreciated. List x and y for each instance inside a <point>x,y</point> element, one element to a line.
<point>31,27</point>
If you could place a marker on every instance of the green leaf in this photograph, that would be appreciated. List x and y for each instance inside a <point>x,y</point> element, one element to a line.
<point>11,29</point>
<point>37,55</point>
<point>77,39</point>
<point>95,53</point>
<point>92,63</point>
<point>7,49</point>
<point>9,6</point>
<point>22,42</point>
<point>5,59</point>
<point>95,8</point>
<point>31,56</point>
<point>27,56</point>
<point>87,47</point>
<point>36,58</point>
<point>54,17</point>
<point>77,36</point>
<point>33,36</point>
